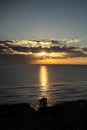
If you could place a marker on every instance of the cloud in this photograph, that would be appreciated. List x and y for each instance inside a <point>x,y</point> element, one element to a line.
<point>25,51</point>
<point>15,59</point>
<point>84,49</point>
<point>71,40</point>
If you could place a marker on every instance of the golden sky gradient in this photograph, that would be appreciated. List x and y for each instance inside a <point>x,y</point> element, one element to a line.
<point>61,61</point>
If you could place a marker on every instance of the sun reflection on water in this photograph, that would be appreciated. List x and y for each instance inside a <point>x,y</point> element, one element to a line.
<point>43,81</point>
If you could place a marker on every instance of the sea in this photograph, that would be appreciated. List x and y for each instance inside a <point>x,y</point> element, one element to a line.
<point>29,83</point>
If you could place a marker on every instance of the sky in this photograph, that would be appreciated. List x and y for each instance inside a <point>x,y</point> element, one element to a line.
<point>61,22</point>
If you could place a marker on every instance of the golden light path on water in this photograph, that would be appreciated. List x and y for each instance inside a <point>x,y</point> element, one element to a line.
<point>44,81</point>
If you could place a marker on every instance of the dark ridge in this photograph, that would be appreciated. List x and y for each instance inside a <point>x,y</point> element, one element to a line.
<point>68,115</point>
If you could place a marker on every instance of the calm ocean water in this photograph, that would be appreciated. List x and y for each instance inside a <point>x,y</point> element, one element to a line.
<point>28,83</point>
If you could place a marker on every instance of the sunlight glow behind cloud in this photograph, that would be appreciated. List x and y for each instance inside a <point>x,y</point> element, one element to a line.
<point>40,50</point>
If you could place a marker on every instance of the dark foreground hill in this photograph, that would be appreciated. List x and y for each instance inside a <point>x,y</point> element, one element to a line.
<point>71,115</point>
